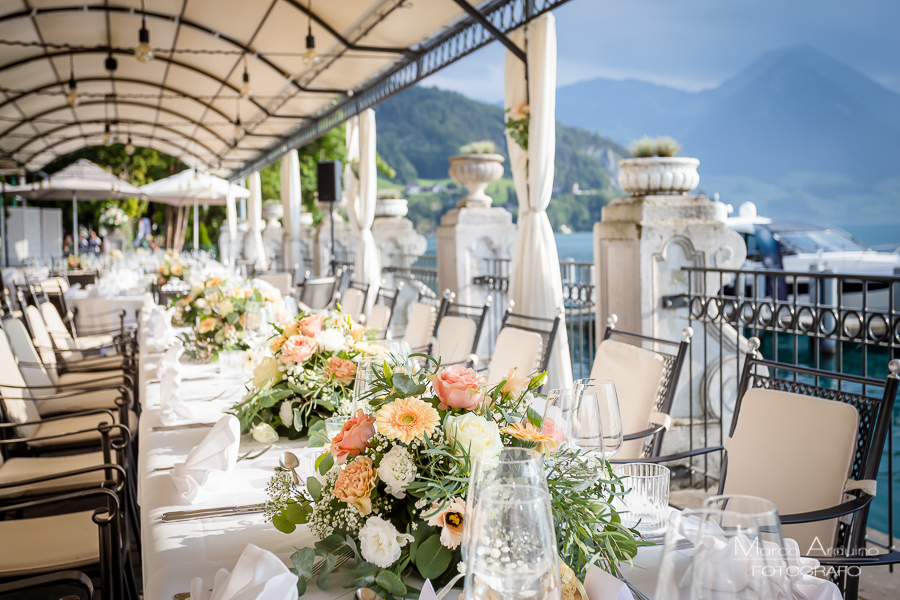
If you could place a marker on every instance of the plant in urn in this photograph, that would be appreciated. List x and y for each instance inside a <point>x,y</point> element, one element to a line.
<point>476,166</point>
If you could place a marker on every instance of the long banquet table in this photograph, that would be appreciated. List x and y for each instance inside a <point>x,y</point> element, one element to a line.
<point>174,553</point>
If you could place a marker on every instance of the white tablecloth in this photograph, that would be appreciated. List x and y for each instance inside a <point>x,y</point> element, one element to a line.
<point>101,313</point>
<point>174,553</point>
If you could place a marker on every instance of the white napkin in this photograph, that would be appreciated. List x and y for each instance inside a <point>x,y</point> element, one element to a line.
<point>161,335</point>
<point>173,410</point>
<point>600,585</point>
<point>216,454</point>
<point>258,575</point>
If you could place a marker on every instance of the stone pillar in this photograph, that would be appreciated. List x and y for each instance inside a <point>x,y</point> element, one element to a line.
<point>640,248</point>
<point>400,245</point>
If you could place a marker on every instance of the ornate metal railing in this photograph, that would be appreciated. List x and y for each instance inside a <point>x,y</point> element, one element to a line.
<point>419,272</point>
<point>836,322</point>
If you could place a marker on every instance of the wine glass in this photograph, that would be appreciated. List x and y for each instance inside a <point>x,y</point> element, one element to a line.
<point>362,383</point>
<point>572,418</point>
<point>610,415</point>
<point>513,555</point>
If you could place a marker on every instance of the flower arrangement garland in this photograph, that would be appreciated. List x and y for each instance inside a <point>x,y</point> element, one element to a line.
<point>391,490</point>
<point>309,377</point>
<point>113,218</point>
<point>215,310</point>
<point>173,267</point>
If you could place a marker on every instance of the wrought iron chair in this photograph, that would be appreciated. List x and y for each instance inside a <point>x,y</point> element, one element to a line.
<point>383,310</point>
<point>319,293</point>
<point>806,439</point>
<point>353,300</point>
<point>283,281</point>
<point>73,585</point>
<point>458,330</point>
<point>523,342</point>
<point>421,326</point>
<point>646,379</point>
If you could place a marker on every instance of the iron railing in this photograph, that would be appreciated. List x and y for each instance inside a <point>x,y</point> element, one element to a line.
<point>579,297</point>
<point>836,322</point>
<point>417,272</point>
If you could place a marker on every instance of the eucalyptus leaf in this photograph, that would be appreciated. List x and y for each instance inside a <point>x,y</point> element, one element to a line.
<point>325,462</point>
<point>303,560</point>
<point>391,582</point>
<point>432,558</point>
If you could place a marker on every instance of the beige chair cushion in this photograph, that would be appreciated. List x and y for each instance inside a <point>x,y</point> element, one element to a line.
<point>75,402</point>
<point>637,373</point>
<point>353,303</point>
<point>30,467</point>
<point>42,341</point>
<point>19,407</point>
<point>379,317</point>
<point>796,451</point>
<point>61,337</point>
<point>77,424</point>
<point>48,544</point>
<point>514,348</point>
<point>92,342</point>
<point>420,326</point>
<point>280,281</point>
<point>32,370</point>
<point>453,342</point>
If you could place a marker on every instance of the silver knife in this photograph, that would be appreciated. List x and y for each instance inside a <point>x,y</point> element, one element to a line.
<point>213,512</point>
<point>177,427</point>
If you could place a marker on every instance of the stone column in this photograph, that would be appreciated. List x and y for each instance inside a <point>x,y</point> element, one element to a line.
<point>640,248</point>
<point>400,245</point>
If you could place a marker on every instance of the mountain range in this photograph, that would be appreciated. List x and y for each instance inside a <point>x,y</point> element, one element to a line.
<point>799,133</point>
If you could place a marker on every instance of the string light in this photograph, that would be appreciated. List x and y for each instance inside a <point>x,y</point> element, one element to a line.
<point>107,136</point>
<point>72,98</point>
<point>310,57</point>
<point>246,90</point>
<point>129,147</point>
<point>143,52</point>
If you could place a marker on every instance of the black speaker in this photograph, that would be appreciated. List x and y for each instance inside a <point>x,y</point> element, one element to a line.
<point>329,174</point>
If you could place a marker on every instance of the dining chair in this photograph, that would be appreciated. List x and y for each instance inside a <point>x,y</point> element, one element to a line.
<point>646,378</point>
<point>523,342</point>
<point>810,441</point>
<point>319,293</point>
<point>66,585</point>
<point>281,281</point>
<point>420,327</point>
<point>353,301</point>
<point>382,311</point>
<point>458,330</point>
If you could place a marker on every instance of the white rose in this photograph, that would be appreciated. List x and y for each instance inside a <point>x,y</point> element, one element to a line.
<point>380,542</point>
<point>473,433</point>
<point>225,307</point>
<point>286,413</point>
<point>397,470</point>
<point>264,434</point>
<point>196,289</point>
<point>202,303</point>
<point>266,372</point>
<point>331,340</point>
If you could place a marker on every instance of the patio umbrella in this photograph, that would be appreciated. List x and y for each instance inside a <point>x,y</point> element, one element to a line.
<point>82,180</point>
<point>191,186</point>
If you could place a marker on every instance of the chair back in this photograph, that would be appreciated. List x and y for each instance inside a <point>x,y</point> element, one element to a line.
<point>379,317</point>
<point>27,357</point>
<point>283,282</point>
<point>42,340</point>
<point>476,314</point>
<point>353,300</point>
<point>18,407</point>
<point>455,339</point>
<point>515,349</point>
<point>546,328</point>
<point>420,327</point>
<point>318,292</point>
<point>800,437</point>
<point>646,378</point>
<point>61,337</point>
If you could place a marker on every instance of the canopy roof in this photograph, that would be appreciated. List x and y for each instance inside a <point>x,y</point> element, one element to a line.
<point>83,179</point>
<point>186,102</point>
<point>181,189</point>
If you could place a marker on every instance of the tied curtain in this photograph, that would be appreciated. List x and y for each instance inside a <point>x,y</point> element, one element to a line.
<point>292,201</point>
<point>231,212</point>
<point>535,283</point>
<point>257,250</point>
<point>361,197</point>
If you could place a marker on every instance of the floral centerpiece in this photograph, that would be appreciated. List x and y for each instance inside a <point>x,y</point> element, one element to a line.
<point>75,263</point>
<point>309,378</point>
<point>173,267</point>
<point>391,490</point>
<point>112,218</point>
<point>215,310</point>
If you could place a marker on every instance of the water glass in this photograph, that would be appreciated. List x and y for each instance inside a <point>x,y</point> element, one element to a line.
<point>572,417</point>
<point>231,363</point>
<point>333,426</point>
<point>513,556</point>
<point>610,415</point>
<point>645,505</point>
<point>362,383</point>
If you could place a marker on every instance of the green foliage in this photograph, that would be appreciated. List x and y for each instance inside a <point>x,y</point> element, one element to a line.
<point>482,147</point>
<point>517,124</point>
<point>661,146</point>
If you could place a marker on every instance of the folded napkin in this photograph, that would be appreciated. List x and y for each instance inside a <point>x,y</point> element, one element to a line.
<point>258,575</point>
<point>216,454</point>
<point>172,407</point>
<point>600,585</point>
<point>160,335</point>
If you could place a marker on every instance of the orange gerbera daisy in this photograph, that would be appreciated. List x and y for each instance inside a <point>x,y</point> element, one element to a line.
<point>406,419</point>
<point>527,432</point>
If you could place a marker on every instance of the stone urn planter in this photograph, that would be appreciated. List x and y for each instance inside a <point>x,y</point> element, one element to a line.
<point>271,213</point>
<point>391,207</point>
<point>655,175</point>
<point>476,172</point>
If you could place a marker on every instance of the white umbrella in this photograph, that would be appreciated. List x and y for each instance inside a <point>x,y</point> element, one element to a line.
<point>189,187</point>
<point>82,180</point>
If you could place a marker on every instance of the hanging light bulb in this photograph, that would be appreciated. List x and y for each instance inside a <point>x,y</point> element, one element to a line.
<point>107,136</point>
<point>196,174</point>
<point>238,128</point>
<point>246,90</point>
<point>310,57</point>
<point>72,98</point>
<point>143,52</point>
<point>129,147</point>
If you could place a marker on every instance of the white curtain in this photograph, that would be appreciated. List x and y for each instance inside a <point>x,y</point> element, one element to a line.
<point>361,206</point>
<point>535,284</point>
<point>254,215</point>
<point>231,213</point>
<point>292,201</point>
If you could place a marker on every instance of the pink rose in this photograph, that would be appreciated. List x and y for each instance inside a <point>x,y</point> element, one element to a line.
<point>458,387</point>
<point>310,326</point>
<point>550,429</point>
<point>353,439</point>
<point>515,383</point>
<point>297,349</point>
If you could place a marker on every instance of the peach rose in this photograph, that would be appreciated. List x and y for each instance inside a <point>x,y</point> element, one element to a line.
<point>276,343</point>
<point>297,349</point>
<point>458,387</point>
<point>290,328</point>
<point>207,325</point>
<point>177,270</point>
<point>311,325</point>
<point>353,439</point>
<point>515,383</point>
<point>213,281</point>
<point>552,430</point>
<point>358,332</point>
<point>355,483</point>
<point>340,370</point>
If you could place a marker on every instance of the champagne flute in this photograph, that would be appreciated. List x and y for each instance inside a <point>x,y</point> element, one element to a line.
<point>513,556</point>
<point>572,417</point>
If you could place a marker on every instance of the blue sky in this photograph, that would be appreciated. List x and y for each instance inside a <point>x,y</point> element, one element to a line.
<point>696,44</point>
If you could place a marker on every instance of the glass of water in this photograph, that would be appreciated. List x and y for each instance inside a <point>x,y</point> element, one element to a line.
<point>231,363</point>
<point>645,505</point>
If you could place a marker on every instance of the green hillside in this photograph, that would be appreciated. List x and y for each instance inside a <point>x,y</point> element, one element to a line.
<point>420,128</point>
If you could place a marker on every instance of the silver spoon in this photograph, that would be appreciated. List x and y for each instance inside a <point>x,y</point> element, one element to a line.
<point>289,461</point>
<point>367,594</point>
